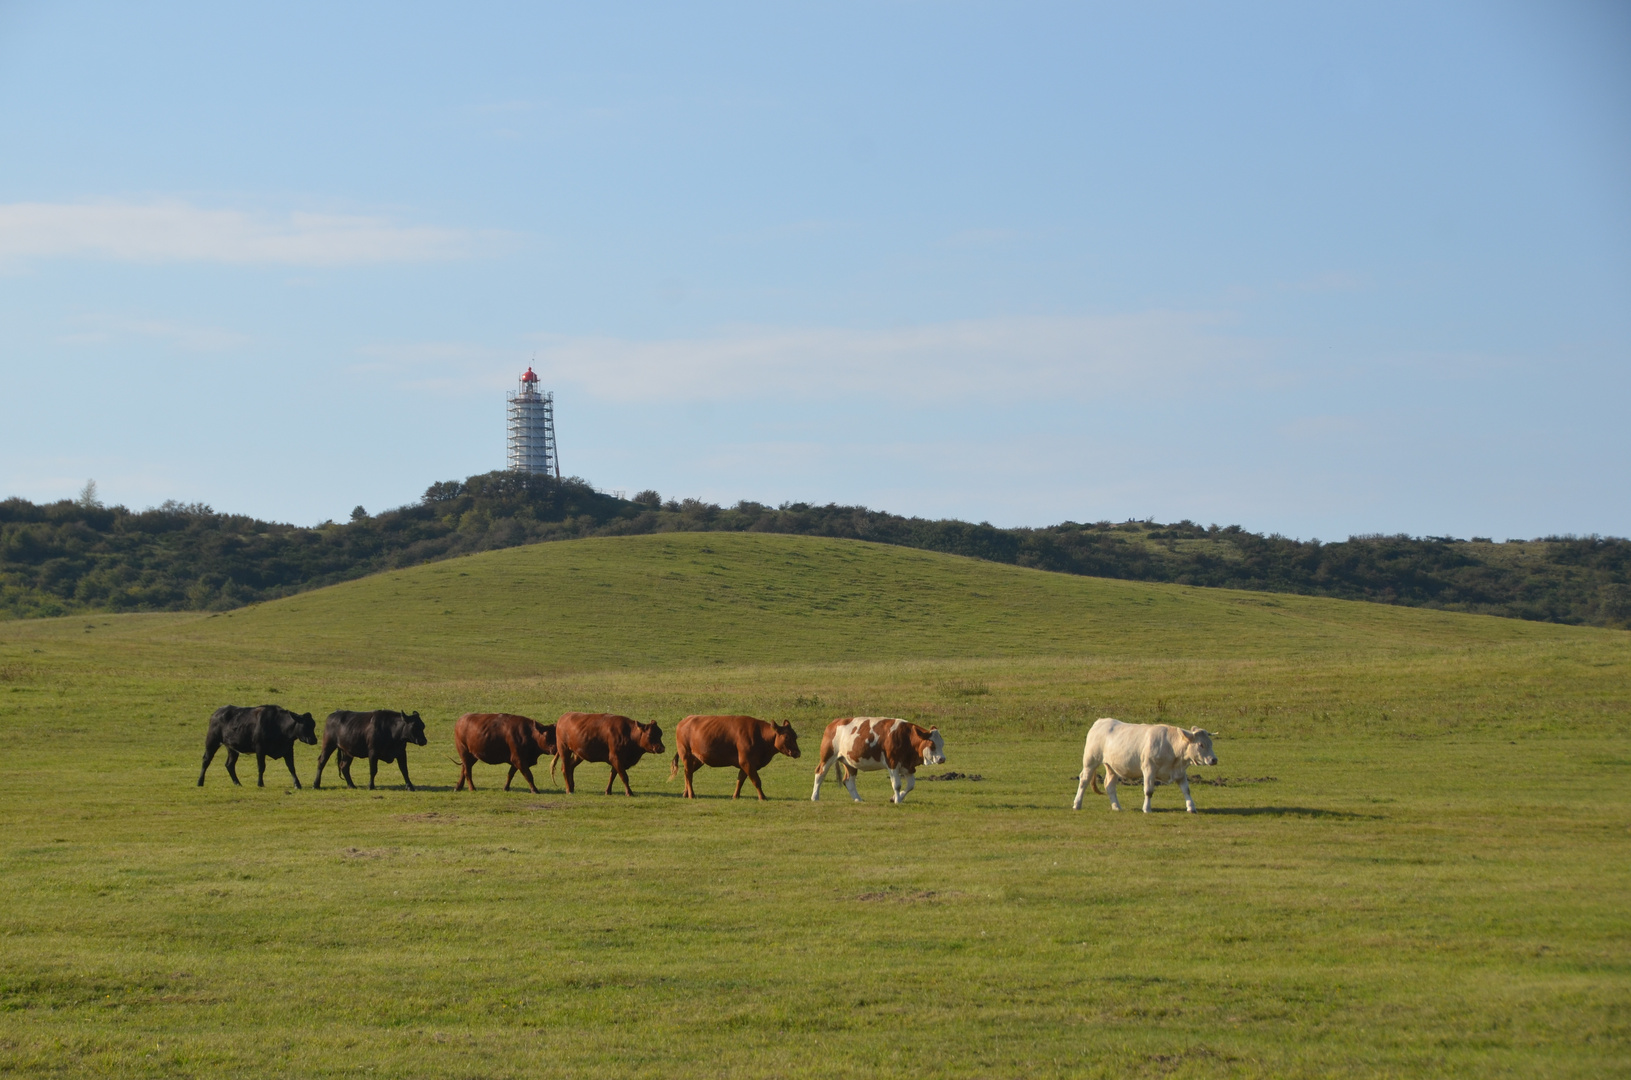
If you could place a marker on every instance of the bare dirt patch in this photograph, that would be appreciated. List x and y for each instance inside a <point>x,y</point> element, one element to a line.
<point>905,896</point>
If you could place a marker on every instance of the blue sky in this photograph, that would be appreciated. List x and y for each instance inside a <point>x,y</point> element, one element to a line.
<point>1316,269</point>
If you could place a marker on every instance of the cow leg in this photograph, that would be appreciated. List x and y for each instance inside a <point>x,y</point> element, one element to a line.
<point>895,793</point>
<point>1110,782</point>
<point>754,776</point>
<point>567,765</point>
<point>619,773</point>
<point>1149,789</point>
<point>1183,785</point>
<point>510,777</point>
<point>322,759</point>
<point>210,747</point>
<point>820,775</point>
<point>849,776</point>
<point>373,770</point>
<point>690,771</point>
<point>1081,788</point>
<point>526,772</point>
<point>466,774</point>
<point>289,760</point>
<point>911,782</point>
<point>232,764</point>
<point>402,766</point>
<point>345,768</point>
<point>260,769</point>
<point>741,775</point>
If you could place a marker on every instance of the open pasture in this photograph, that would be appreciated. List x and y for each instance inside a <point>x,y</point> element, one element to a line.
<point>1413,859</point>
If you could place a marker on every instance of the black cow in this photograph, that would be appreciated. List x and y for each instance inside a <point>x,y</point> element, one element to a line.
<point>263,730</point>
<point>381,735</point>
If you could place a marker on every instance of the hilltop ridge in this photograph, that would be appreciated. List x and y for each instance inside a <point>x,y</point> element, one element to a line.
<point>69,556</point>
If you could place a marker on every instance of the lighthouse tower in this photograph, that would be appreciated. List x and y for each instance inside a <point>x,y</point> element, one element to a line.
<point>530,446</point>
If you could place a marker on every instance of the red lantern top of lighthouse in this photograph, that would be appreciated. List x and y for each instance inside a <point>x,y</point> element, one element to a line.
<point>529,377</point>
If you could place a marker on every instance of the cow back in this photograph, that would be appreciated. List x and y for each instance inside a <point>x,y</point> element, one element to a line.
<point>592,736</point>
<point>493,736</point>
<point>364,734</point>
<point>251,729</point>
<point>724,740</point>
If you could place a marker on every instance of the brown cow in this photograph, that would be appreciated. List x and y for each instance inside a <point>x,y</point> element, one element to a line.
<point>723,741</point>
<point>496,738</point>
<point>616,740</point>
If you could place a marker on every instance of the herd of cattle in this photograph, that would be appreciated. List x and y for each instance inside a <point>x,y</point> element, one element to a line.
<point>1153,753</point>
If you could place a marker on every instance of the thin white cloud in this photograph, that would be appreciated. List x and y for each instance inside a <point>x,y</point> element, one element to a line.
<point>172,231</point>
<point>1082,358</point>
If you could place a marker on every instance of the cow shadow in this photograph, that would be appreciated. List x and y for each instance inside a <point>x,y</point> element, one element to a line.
<point>363,789</point>
<point>1278,811</point>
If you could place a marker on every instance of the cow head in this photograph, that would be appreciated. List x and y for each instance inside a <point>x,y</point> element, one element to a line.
<point>543,737</point>
<point>1199,750</point>
<point>930,745</point>
<point>648,737</point>
<point>787,740</point>
<point>298,726</point>
<point>409,728</point>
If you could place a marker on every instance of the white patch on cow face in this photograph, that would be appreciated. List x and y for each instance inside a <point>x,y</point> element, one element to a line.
<point>1200,748</point>
<point>935,754</point>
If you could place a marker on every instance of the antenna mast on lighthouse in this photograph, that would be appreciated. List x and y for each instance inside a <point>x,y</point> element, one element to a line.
<point>530,445</point>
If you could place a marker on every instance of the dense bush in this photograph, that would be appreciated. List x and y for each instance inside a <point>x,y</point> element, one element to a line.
<point>76,555</point>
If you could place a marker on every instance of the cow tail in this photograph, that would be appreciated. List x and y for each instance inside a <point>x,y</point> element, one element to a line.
<point>1094,783</point>
<point>674,766</point>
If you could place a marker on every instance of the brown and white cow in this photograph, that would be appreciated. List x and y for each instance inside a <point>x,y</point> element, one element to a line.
<point>499,738</point>
<point>616,740</point>
<point>722,741</point>
<point>1154,753</point>
<point>867,743</point>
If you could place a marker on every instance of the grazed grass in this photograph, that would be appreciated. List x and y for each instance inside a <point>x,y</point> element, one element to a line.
<point>1434,882</point>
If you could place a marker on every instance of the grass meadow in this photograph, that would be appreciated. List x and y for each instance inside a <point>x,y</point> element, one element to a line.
<point>1414,858</point>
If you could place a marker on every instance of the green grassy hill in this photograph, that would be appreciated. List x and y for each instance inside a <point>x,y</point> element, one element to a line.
<point>1412,859</point>
<point>73,557</point>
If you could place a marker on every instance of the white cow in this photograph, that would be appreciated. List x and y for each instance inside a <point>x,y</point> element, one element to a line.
<point>866,743</point>
<point>1155,753</point>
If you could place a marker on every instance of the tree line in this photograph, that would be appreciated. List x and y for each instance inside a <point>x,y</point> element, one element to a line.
<point>77,555</point>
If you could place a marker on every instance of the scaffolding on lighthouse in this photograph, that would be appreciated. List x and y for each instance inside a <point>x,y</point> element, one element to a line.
<point>530,445</point>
